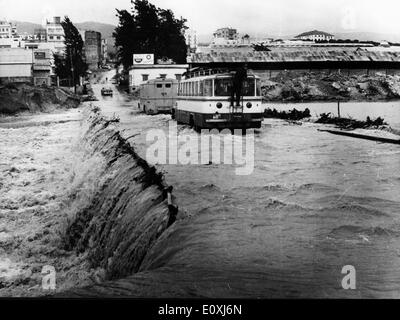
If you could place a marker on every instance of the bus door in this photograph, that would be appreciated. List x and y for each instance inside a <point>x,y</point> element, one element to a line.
<point>169,94</point>
<point>159,95</point>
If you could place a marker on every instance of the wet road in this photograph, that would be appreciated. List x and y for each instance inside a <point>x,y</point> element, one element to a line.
<point>314,203</point>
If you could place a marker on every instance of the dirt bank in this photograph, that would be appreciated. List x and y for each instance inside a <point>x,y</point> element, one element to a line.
<point>16,98</point>
<point>310,86</point>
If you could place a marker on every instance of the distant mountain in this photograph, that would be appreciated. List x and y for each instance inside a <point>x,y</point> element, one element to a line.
<point>106,30</point>
<point>26,27</point>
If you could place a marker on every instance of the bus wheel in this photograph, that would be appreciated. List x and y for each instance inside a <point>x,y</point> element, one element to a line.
<point>144,109</point>
<point>138,105</point>
<point>191,121</point>
<point>173,114</point>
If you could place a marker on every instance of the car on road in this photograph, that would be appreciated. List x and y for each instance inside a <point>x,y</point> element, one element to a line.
<point>106,92</point>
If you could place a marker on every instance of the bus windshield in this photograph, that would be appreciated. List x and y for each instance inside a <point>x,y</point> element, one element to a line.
<point>223,87</point>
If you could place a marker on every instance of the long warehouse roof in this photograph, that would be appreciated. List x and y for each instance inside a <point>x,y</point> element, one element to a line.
<point>295,56</point>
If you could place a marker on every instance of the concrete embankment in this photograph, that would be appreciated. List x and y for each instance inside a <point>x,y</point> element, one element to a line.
<point>129,210</point>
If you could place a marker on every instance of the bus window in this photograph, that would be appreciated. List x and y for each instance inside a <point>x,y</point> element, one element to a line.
<point>201,88</point>
<point>159,85</point>
<point>207,88</point>
<point>223,87</point>
<point>249,87</point>
<point>168,85</point>
<point>258,88</point>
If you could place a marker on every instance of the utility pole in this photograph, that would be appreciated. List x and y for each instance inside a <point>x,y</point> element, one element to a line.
<point>72,70</point>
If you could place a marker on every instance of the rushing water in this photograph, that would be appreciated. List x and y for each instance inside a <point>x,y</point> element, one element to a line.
<point>314,203</point>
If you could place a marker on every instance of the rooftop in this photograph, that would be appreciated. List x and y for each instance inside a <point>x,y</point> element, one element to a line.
<point>295,56</point>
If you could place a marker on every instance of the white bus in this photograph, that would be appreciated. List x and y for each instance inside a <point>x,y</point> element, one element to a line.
<point>204,101</point>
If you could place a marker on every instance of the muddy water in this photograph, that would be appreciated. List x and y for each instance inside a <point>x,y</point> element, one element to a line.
<point>314,203</point>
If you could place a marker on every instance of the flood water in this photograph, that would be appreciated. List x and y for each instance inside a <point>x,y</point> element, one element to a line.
<point>356,110</point>
<point>314,203</point>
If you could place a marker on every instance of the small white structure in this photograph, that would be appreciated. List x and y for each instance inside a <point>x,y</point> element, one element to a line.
<point>16,65</point>
<point>316,35</point>
<point>385,44</point>
<point>141,73</point>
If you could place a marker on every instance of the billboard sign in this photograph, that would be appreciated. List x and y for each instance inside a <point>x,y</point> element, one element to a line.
<point>143,58</point>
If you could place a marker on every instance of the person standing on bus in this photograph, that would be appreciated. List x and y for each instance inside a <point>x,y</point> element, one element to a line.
<point>237,85</point>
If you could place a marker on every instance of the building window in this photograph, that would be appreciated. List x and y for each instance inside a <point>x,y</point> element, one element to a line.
<point>178,76</point>
<point>163,75</point>
<point>145,77</point>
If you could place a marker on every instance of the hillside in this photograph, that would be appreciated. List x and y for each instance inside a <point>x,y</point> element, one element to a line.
<point>26,27</point>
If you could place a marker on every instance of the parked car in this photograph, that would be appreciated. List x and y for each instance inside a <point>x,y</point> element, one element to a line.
<point>106,92</point>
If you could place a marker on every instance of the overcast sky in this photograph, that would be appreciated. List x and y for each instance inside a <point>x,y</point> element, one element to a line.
<point>278,17</point>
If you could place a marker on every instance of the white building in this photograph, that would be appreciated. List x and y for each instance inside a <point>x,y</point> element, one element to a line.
<point>226,33</point>
<point>6,29</point>
<point>226,37</point>
<point>141,73</point>
<point>10,42</point>
<point>191,39</point>
<point>16,65</point>
<point>25,65</point>
<point>55,32</point>
<point>316,35</point>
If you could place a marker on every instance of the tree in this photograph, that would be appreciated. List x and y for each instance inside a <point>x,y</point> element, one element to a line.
<point>71,64</point>
<point>148,29</point>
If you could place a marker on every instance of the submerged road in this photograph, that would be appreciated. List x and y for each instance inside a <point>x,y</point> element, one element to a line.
<point>314,203</point>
